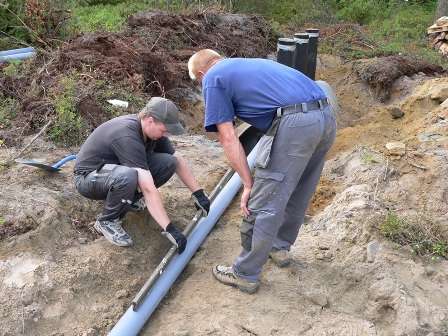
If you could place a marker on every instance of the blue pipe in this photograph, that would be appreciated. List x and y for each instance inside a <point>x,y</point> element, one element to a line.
<point>16,51</point>
<point>17,56</point>
<point>62,162</point>
<point>132,321</point>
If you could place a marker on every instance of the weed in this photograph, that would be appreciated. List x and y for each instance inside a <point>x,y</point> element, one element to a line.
<point>8,110</point>
<point>424,236</point>
<point>368,158</point>
<point>12,69</point>
<point>2,220</point>
<point>68,128</point>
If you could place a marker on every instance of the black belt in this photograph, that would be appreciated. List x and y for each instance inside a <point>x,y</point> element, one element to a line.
<point>302,107</point>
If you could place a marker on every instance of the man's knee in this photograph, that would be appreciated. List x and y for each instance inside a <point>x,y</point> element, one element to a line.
<point>169,164</point>
<point>125,178</point>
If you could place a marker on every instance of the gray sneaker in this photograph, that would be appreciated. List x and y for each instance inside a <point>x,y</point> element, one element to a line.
<point>225,275</point>
<point>112,230</point>
<point>281,258</point>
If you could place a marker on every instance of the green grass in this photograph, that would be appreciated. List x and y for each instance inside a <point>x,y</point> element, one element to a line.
<point>68,128</point>
<point>424,236</point>
<point>8,110</point>
<point>104,17</point>
<point>2,220</point>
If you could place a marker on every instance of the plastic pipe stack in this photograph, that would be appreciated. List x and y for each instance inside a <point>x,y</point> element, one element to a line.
<point>301,53</point>
<point>285,51</point>
<point>312,52</point>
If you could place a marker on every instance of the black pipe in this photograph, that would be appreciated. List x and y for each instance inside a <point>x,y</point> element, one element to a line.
<point>312,52</point>
<point>285,51</point>
<point>301,52</point>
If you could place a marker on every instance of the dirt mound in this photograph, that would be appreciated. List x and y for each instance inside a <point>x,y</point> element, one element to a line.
<point>380,73</point>
<point>147,59</point>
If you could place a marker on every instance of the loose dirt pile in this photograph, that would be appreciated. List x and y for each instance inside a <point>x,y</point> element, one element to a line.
<point>380,73</point>
<point>149,58</point>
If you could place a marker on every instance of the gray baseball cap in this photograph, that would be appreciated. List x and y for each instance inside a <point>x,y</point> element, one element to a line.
<point>165,111</point>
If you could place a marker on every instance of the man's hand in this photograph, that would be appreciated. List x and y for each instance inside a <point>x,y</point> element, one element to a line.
<point>201,201</point>
<point>176,237</point>
<point>244,200</point>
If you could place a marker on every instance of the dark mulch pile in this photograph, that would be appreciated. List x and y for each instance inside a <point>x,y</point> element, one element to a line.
<point>380,73</point>
<point>148,58</point>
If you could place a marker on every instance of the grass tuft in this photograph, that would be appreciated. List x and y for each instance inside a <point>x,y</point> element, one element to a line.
<point>424,236</point>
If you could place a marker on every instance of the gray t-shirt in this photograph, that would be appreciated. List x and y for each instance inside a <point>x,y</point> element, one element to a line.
<point>119,141</point>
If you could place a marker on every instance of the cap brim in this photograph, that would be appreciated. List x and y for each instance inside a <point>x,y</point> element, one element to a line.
<point>175,129</point>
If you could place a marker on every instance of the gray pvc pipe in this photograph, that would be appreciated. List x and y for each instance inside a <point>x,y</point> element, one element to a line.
<point>16,51</point>
<point>17,56</point>
<point>133,321</point>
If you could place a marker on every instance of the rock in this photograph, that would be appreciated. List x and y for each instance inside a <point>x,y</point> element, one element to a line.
<point>439,92</point>
<point>430,270</point>
<point>372,249</point>
<point>323,245</point>
<point>182,333</point>
<point>430,136</point>
<point>318,298</point>
<point>396,148</point>
<point>82,240</point>
<point>445,103</point>
<point>396,112</point>
<point>91,332</point>
<point>122,293</point>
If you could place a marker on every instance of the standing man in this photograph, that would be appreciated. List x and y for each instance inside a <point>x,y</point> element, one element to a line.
<point>299,128</point>
<point>128,153</point>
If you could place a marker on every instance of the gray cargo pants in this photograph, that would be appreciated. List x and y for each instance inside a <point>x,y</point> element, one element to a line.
<point>117,185</point>
<point>282,191</point>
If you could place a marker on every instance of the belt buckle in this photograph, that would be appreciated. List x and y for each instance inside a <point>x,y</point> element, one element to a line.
<point>304,107</point>
<point>279,112</point>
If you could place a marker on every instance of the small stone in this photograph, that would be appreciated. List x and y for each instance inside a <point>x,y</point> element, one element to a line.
<point>182,333</point>
<point>126,262</point>
<point>430,271</point>
<point>91,332</point>
<point>122,293</point>
<point>318,298</point>
<point>396,148</point>
<point>82,240</point>
<point>324,246</point>
<point>372,250</point>
<point>396,112</point>
<point>315,233</point>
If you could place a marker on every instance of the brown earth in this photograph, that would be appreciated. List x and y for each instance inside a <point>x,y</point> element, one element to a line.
<point>60,278</point>
<point>149,58</point>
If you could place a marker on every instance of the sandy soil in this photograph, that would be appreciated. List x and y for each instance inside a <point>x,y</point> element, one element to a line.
<point>60,278</point>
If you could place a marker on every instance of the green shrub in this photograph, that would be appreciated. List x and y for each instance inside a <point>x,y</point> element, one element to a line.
<point>12,69</point>
<point>8,110</point>
<point>420,233</point>
<point>68,128</point>
<point>108,17</point>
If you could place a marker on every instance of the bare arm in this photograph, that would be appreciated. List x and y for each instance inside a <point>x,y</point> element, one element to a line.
<point>185,174</point>
<point>235,154</point>
<point>153,199</point>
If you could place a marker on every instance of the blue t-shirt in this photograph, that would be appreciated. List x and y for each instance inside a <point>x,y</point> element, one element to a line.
<point>252,89</point>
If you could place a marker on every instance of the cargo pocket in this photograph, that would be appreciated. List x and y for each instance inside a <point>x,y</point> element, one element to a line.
<point>265,188</point>
<point>264,151</point>
<point>265,145</point>
<point>246,231</point>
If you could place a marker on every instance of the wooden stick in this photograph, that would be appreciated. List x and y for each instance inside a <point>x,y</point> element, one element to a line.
<point>34,139</point>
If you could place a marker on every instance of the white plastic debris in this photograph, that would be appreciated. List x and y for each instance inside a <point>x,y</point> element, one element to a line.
<point>119,103</point>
